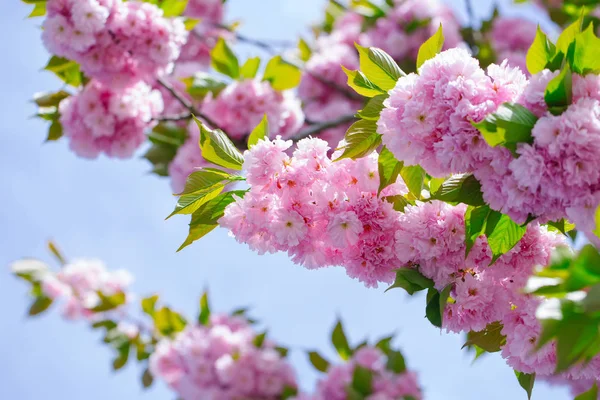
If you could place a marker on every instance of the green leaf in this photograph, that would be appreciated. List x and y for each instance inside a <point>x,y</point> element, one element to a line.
<point>490,339</point>
<point>362,380</point>
<point>591,394</point>
<point>389,169</point>
<point>109,302</point>
<point>55,251</point>
<point>305,50</point>
<point>502,233</point>
<point>361,139</point>
<point>204,316</point>
<point>411,280</point>
<point>39,305</point>
<point>218,149</point>
<point>540,53</point>
<point>340,342</point>
<point>168,322</point>
<point>475,224</point>
<point>55,131</point>
<point>288,392</point>
<point>320,363</point>
<point>250,68</point>
<point>361,84</point>
<point>510,125</point>
<point>51,99</point>
<point>173,8</point>
<point>373,108</point>
<point>567,37</point>
<point>399,202</point>
<point>414,177</point>
<point>206,217</point>
<point>379,67</point>
<point>202,84</point>
<point>206,178</point>
<point>224,60</point>
<point>586,54</point>
<point>577,335</point>
<point>559,92</point>
<point>190,23</point>
<point>189,203</point>
<point>149,304</point>
<point>39,8</point>
<point>283,352</point>
<point>432,311</point>
<point>281,74</point>
<point>396,362</point>
<point>431,47</point>
<point>147,378</point>
<point>123,356</point>
<point>260,132</point>
<point>259,340</point>
<point>584,270</point>
<point>526,381</point>
<point>463,188</point>
<point>66,70</point>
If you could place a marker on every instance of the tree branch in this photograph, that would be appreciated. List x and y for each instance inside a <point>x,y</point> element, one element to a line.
<point>320,127</point>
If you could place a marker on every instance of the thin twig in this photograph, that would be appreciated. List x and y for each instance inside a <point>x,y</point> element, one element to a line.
<point>318,128</point>
<point>470,13</point>
<point>174,118</point>
<point>186,103</point>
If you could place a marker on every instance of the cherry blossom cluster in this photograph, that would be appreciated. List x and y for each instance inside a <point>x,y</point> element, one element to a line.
<point>195,54</point>
<point>400,33</point>
<point>116,42</point>
<point>511,38</point>
<point>101,119</point>
<point>78,284</point>
<point>323,213</point>
<point>427,121</point>
<point>222,360</point>
<point>386,384</point>
<point>240,107</point>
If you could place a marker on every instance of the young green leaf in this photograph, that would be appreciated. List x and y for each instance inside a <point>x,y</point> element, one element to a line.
<point>586,54</point>
<point>502,234</point>
<point>340,342</point>
<point>510,125</point>
<point>362,380</point>
<point>361,139</point>
<point>414,177</point>
<point>526,381</point>
<point>373,108</point>
<point>224,60</point>
<point>320,363</point>
<point>204,316</point>
<point>463,188</point>
<point>305,50</point>
<point>559,92</point>
<point>361,84</point>
<point>281,74</point>
<point>168,322</point>
<point>411,280</point>
<point>396,362</point>
<point>432,311</point>
<point>379,67</point>
<point>591,394</point>
<point>109,302</point>
<point>540,53</point>
<point>147,379</point>
<point>389,169</point>
<point>39,305</point>
<point>149,304</point>
<point>218,149</point>
<point>490,339</point>
<point>431,47</point>
<point>475,224</point>
<point>173,8</point>
<point>260,132</point>
<point>250,68</point>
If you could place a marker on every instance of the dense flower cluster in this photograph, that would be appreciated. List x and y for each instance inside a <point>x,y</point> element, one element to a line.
<point>116,42</point>
<point>410,23</point>
<point>100,119</point>
<point>241,106</point>
<point>427,119</point>
<point>187,160</point>
<point>78,284</point>
<point>386,384</point>
<point>222,361</point>
<point>322,213</point>
<point>511,39</point>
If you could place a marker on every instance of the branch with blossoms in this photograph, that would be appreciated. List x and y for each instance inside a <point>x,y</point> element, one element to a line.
<point>216,354</point>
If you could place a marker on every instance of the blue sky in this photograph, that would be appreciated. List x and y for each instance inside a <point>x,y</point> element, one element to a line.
<point>115,210</point>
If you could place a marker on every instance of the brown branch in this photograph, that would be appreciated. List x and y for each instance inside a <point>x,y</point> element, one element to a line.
<point>320,127</point>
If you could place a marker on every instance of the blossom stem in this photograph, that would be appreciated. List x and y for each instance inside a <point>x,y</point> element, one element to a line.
<point>320,127</point>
